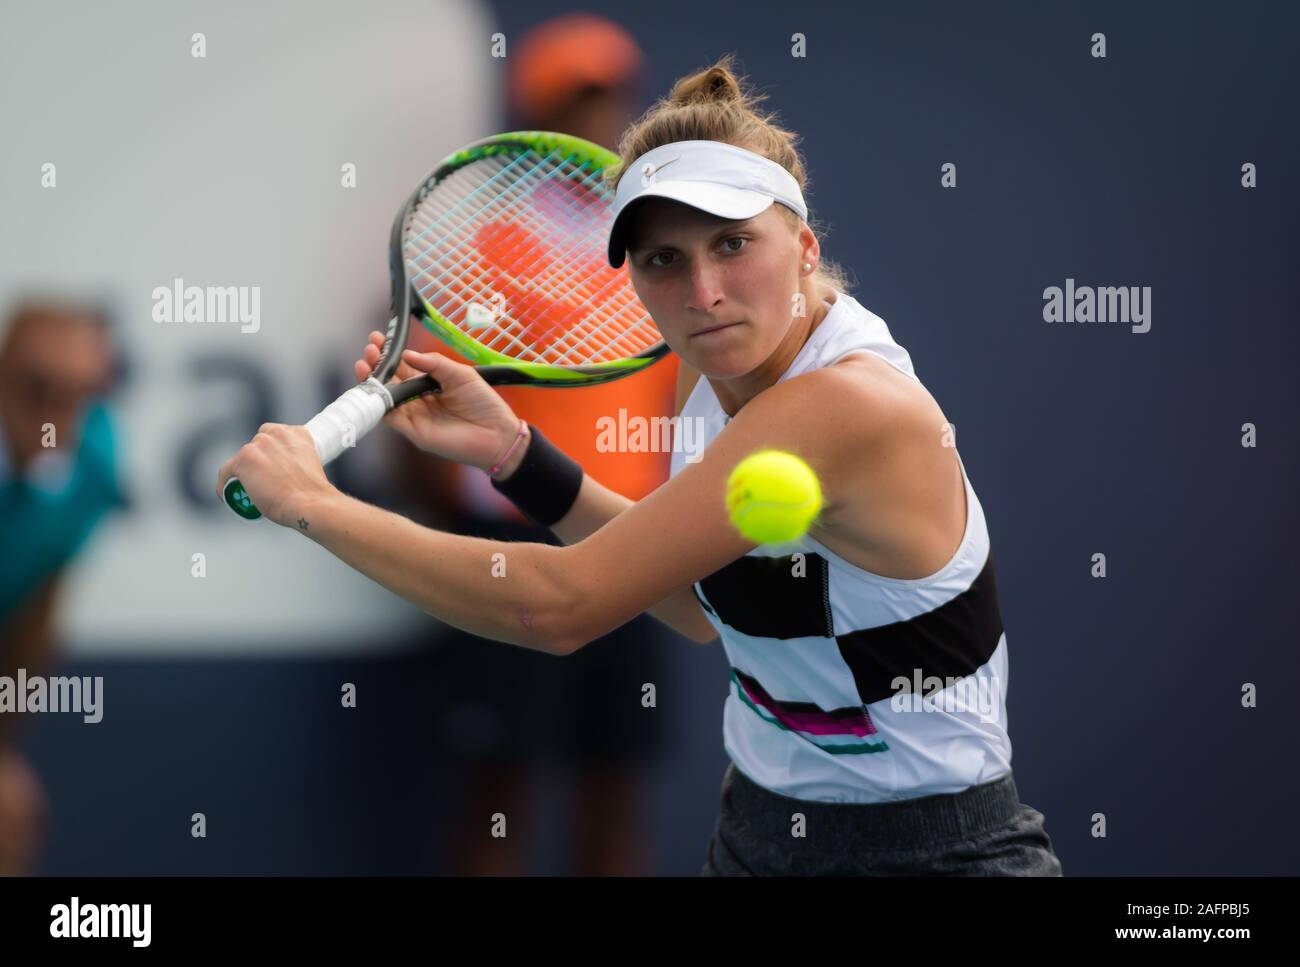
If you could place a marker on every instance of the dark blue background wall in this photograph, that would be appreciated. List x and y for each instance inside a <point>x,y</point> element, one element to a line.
<point>1125,692</point>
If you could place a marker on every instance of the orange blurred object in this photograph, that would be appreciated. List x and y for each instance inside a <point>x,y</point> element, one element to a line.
<point>569,418</point>
<point>561,57</point>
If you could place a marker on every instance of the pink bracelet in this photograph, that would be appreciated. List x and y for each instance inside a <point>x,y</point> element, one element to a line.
<point>522,428</point>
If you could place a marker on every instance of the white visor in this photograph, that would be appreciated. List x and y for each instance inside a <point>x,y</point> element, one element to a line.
<point>714,177</point>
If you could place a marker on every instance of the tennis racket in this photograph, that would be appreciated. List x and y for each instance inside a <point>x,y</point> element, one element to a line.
<point>502,253</point>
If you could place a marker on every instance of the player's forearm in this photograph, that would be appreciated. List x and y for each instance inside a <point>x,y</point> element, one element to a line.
<point>595,507</point>
<point>512,592</point>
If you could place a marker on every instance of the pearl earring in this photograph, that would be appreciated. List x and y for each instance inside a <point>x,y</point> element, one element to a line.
<point>807,266</point>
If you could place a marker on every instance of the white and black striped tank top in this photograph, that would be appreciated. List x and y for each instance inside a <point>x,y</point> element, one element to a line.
<point>820,648</point>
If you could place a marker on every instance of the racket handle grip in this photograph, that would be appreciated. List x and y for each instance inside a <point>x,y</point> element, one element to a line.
<point>349,418</point>
<point>334,429</point>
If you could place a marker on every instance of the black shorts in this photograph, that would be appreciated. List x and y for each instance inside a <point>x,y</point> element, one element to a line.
<point>981,831</point>
<point>503,703</point>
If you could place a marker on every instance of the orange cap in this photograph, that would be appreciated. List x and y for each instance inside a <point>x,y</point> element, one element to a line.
<point>560,57</point>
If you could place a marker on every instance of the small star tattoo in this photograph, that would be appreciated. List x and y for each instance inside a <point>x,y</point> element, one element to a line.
<point>302,523</point>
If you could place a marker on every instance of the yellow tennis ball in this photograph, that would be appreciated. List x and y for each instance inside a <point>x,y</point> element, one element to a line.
<point>773,497</point>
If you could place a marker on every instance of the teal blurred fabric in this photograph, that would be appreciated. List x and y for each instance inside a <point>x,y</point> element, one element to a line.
<point>47,515</point>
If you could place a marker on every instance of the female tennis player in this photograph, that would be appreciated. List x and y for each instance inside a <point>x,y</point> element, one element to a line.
<point>866,713</point>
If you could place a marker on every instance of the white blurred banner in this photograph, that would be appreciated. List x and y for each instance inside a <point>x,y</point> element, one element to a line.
<point>226,170</point>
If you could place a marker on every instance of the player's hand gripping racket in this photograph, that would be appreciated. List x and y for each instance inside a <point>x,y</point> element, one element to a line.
<point>501,250</point>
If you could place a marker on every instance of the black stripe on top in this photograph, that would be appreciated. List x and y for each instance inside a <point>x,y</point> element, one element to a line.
<point>762,597</point>
<point>771,597</point>
<point>952,641</point>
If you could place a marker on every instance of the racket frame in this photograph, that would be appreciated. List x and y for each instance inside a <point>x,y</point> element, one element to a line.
<point>357,410</point>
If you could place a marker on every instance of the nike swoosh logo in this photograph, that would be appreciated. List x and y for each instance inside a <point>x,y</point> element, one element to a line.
<point>646,176</point>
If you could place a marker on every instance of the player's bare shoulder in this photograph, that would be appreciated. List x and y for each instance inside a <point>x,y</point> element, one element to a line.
<point>886,396</point>
<point>894,496</point>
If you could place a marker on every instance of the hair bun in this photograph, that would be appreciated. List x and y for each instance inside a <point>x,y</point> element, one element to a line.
<point>715,84</point>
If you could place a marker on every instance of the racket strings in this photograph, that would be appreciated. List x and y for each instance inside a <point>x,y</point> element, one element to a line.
<point>575,238</point>
<point>513,249</point>
<point>526,234</point>
<point>583,337</point>
<point>510,254</point>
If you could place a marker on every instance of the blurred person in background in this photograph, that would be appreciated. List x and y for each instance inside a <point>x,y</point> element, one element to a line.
<point>506,706</point>
<point>58,478</point>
